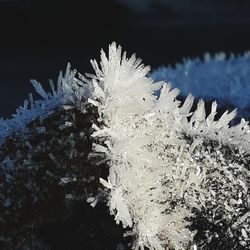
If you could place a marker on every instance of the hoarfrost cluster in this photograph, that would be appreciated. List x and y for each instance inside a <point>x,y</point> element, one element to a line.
<point>158,177</point>
<point>177,179</point>
<point>67,91</point>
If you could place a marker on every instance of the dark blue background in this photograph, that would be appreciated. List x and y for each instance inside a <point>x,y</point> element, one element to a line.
<point>39,37</point>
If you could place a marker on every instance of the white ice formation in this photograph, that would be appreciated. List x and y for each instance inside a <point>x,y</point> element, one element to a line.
<point>167,165</point>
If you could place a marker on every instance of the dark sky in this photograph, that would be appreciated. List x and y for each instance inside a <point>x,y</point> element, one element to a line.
<point>39,37</point>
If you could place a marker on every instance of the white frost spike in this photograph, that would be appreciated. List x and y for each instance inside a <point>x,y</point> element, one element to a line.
<point>212,114</point>
<point>187,105</point>
<point>122,86</point>
<point>226,118</point>
<point>39,89</point>
<point>99,148</point>
<point>167,95</point>
<point>200,113</point>
<point>106,184</point>
<point>118,206</point>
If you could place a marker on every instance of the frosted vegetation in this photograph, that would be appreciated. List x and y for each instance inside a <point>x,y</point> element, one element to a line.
<point>158,176</point>
<point>177,179</point>
<point>67,91</point>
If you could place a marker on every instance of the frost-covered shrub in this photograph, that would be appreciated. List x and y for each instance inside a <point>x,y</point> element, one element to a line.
<point>176,179</point>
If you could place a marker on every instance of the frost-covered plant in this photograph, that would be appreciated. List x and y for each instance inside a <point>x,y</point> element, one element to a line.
<point>69,90</point>
<point>46,163</point>
<point>168,166</point>
<point>177,179</point>
<point>225,79</point>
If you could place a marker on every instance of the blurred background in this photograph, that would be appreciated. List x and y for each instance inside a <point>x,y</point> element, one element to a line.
<point>39,37</point>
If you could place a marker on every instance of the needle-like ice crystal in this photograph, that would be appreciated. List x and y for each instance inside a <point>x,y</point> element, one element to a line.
<point>178,179</point>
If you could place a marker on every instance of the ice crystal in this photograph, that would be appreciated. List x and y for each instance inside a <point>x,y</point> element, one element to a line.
<point>178,178</point>
<point>225,79</point>
<point>69,90</point>
<point>168,165</point>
